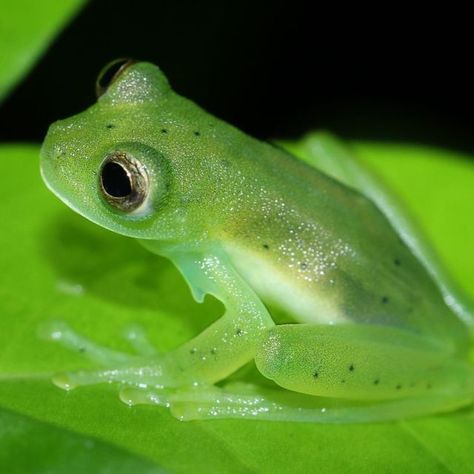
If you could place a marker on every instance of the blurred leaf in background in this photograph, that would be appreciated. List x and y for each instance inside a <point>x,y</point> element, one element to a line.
<point>56,265</point>
<point>27,27</point>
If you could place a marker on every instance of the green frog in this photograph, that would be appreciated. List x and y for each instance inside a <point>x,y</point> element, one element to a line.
<point>379,333</point>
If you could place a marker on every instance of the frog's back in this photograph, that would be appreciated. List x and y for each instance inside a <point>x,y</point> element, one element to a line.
<point>323,251</point>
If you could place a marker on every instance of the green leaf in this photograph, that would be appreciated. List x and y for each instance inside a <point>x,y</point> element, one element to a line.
<point>24,441</point>
<point>56,265</point>
<point>438,187</point>
<point>26,29</point>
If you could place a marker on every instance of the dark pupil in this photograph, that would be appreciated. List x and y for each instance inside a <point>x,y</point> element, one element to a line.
<point>115,180</point>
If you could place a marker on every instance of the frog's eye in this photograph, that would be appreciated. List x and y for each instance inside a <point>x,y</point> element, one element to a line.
<point>110,73</point>
<point>123,181</point>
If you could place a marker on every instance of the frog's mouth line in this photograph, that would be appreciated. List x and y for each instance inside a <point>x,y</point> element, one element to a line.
<point>120,229</point>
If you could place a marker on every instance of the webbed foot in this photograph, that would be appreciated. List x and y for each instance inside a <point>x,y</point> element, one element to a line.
<point>141,369</point>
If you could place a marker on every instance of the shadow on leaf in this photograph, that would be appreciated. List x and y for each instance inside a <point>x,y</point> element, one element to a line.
<point>119,269</point>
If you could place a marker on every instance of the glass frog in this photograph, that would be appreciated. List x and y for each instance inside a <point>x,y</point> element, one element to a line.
<point>379,331</point>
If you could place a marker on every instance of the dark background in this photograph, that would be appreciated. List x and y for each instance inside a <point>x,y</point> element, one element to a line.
<point>274,69</point>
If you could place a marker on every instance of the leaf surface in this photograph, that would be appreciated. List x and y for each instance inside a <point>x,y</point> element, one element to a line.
<point>56,265</point>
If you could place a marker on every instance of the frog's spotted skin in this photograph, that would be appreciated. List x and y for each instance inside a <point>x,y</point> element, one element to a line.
<point>249,223</point>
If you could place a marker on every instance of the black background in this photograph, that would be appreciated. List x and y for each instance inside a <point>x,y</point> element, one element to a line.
<point>274,69</point>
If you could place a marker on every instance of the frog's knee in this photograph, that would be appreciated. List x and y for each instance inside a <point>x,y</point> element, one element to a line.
<point>292,350</point>
<point>288,357</point>
<point>269,354</point>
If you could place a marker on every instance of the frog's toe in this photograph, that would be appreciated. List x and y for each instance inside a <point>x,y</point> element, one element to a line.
<point>258,403</point>
<point>63,380</point>
<point>141,396</point>
<point>52,330</point>
<point>62,333</point>
<point>199,403</point>
<point>136,336</point>
<point>133,375</point>
<point>71,380</point>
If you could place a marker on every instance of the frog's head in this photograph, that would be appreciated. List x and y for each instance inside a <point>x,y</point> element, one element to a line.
<point>107,163</point>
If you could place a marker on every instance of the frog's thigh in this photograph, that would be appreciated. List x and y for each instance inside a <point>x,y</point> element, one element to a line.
<point>330,155</point>
<point>360,363</point>
<point>362,374</point>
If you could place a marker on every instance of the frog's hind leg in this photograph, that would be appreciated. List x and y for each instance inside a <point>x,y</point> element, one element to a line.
<point>384,366</point>
<point>358,374</point>
<point>330,155</point>
<point>326,153</point>
<point>254,402</point>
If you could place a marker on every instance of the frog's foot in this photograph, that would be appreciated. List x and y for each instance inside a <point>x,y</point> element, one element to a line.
<point>247,401</point>
<point>120,366</point>
<point>140,375</point>
<point>236,400</point>
<point>62,333</point>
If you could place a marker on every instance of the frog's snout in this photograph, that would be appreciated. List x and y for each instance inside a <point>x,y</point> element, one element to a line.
<point>59,146</point>
<point>49,140</point>
<point>49,153</point>
<point>57,164</point>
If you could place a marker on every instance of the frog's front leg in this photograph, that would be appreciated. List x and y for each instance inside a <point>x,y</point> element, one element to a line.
<point>218,351</point>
